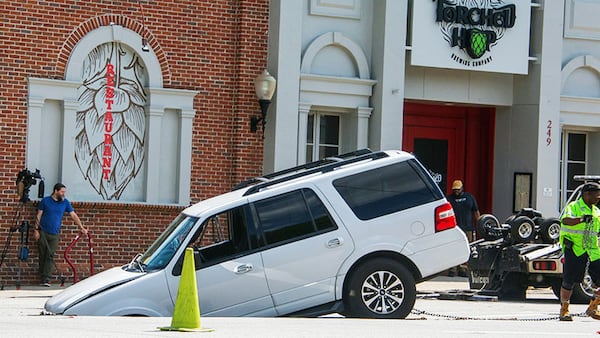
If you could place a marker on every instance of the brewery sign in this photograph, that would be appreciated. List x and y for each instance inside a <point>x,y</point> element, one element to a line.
<point>481,35</point>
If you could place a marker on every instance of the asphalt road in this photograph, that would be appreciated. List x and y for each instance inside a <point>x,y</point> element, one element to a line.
<point>20,316</point>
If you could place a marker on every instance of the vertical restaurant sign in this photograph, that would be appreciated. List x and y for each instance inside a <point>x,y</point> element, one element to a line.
<point>108,121</point>
<point>110,127</point>
<point>482,35</point>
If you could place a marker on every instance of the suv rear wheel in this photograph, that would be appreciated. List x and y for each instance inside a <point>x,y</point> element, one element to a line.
<point>380,288</point>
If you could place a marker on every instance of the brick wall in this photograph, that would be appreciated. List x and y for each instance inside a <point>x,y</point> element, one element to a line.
<point>216,47</point>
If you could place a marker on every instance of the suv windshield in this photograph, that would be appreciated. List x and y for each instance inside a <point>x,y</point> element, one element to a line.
<point>162,250</point>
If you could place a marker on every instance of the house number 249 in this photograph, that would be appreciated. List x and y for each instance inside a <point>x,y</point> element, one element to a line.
<point>549,132</point>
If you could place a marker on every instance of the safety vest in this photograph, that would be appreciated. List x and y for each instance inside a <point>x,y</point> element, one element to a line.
<point>583,235</point>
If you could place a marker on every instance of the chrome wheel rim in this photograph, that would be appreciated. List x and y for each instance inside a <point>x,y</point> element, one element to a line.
<point>586,285</point>
<point>382,292</point>
<point>525,230</point>
<point>554,231</point>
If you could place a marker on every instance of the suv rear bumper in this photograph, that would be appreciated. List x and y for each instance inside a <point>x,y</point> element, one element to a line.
<point>451,249</point>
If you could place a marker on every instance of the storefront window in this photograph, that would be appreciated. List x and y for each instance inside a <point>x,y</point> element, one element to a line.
<point>574,162</point>
<point>322,136</point>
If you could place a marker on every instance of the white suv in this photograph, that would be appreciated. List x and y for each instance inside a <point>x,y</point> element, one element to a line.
<point>350,234</point>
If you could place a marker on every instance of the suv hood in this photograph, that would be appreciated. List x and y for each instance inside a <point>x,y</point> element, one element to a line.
<point>88,287</point>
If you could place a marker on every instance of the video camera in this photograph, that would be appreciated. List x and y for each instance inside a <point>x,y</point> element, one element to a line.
<point>26,179</point>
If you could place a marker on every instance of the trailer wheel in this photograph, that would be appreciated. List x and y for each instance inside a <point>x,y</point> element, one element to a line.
<point>550,230</point>
<point>488,227</point>
<point>582,292</point>
<point>522,229</point>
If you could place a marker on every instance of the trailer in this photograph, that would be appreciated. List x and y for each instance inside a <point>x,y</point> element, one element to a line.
<point>522,252</point>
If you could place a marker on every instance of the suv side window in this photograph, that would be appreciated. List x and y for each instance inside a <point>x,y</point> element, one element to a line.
<point>222,236</point>
<point>386,190</point>
<point>292,216</point>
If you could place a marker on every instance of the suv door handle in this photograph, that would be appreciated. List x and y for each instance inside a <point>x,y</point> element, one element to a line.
<point>334,243</point>
<point>243,268</point>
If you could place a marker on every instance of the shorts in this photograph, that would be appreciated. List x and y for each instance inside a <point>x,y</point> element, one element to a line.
<point>574,269</point>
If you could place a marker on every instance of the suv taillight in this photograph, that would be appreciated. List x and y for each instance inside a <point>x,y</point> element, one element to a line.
<point>444,217</point>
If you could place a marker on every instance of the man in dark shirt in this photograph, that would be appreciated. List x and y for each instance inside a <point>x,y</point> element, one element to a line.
<point>466,212</point>
<point>465,208</point>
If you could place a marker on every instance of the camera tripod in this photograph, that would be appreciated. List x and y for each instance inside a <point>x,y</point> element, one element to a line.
<point>25,180</point>
<point>21,225</point>
<point>18,224</point>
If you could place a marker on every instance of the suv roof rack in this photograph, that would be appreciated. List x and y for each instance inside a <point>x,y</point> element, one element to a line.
<point>325,165</point>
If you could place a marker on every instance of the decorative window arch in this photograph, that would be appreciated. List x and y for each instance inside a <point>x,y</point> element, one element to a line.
<point>110,131</point>
<point>107,34</point>
<point>339,40</point>
<point>582,61</point>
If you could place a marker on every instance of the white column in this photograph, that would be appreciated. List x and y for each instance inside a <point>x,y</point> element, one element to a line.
<point>388,63</point>
<point>153,133</point>
<point>185,156</point>
<point>34,132</point>
<point>303,110</point>
<point>285,50</point>
<point>164,100</point>
<point>69,168</point>
<point>362,126</point>
<point>546,184</point>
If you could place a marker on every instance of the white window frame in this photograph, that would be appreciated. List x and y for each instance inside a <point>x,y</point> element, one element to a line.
<point>317,134</point>
<point>564,162</point>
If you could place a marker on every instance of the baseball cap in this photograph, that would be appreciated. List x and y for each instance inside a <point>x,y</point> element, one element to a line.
<point>458,184</point>
<point>591,186</point>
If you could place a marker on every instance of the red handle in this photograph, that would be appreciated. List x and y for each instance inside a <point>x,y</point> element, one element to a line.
<point>90,250</point>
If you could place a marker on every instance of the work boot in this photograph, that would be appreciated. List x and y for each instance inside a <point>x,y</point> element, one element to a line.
<point>592,309</point>
<point>565,315</point>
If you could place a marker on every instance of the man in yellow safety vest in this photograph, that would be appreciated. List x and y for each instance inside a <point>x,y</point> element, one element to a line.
<point>579,242</point>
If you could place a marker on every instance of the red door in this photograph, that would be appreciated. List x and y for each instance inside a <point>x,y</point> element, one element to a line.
<point>433,147</point>
<point>453,143</point>
<point>438,146</point>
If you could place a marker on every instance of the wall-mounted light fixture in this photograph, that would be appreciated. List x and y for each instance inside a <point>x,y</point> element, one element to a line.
<point>145,46</point>
<point>264,85</point>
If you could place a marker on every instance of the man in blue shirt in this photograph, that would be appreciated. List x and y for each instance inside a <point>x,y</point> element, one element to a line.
<point>51,210</point>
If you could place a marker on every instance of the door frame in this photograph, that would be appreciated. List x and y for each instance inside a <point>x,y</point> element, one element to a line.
<point>475,128</point>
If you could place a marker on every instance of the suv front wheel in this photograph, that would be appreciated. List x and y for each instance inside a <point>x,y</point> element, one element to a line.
<point>380,288</point>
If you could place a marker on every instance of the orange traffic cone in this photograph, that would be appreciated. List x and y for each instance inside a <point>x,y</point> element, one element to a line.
<point>186,315</point>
